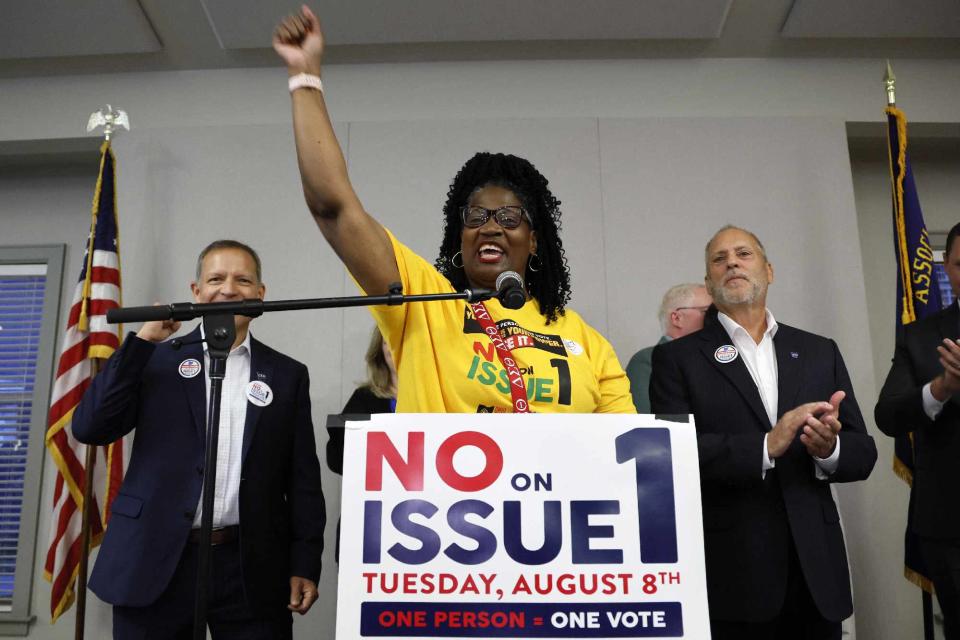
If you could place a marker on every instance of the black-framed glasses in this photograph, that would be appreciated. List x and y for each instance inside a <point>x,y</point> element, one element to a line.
<point>510,217</point>
<point>702,309</point>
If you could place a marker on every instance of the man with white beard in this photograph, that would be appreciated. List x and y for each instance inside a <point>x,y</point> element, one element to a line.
<point>777,422</point>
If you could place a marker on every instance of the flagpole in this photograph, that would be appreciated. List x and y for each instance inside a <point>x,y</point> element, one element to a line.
<point>90,461</point>
<point>111,120</point>
<point>926,601</point>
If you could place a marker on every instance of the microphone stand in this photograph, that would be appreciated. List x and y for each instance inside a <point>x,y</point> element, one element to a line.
<point>220,333</point>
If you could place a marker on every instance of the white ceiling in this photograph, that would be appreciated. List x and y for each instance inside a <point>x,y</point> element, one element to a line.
<point>52,28</point>
<point>873,19</point>
<point>361,22</point>
<point>44,37</point>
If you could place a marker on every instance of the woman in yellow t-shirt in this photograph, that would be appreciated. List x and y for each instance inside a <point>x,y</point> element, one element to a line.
<point>499,216</point>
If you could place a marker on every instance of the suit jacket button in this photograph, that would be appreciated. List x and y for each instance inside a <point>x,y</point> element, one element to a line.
<point>199,469</point>
<point>188,515</point>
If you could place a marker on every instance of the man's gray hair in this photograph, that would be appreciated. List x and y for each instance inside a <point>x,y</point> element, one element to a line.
<point>679,295</point>
<point>732,227</point>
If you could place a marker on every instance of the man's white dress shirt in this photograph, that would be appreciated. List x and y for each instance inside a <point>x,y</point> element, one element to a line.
<point>761,362</point>
<point>233,417</point>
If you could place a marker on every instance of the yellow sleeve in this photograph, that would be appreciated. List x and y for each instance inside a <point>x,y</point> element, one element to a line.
<point>417,276</point>
<point>613,382</point>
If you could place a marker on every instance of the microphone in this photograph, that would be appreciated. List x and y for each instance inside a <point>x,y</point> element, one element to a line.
<point>510,290</point>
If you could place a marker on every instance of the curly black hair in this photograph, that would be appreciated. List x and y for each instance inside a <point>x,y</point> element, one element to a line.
<point>550,283</point>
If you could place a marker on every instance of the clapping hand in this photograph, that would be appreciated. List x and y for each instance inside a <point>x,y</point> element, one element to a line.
<point>818,423</point>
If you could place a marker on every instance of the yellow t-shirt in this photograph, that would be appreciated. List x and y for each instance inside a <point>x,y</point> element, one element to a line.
<point>446,364</point>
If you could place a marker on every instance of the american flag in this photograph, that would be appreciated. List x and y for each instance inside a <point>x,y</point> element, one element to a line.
<point>87,336</point>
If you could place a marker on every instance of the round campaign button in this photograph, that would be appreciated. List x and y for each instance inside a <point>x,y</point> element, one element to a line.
<point>189,368</point>
<point>259,393</point>
<point>573,346</point>
<point>726,353</point>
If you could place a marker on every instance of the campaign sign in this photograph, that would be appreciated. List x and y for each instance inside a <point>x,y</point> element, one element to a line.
<point>521,526</point>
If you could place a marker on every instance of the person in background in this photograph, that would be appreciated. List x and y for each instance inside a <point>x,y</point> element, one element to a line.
<point>921,397</point>
<point>378,394</point>
<point>682,311</point>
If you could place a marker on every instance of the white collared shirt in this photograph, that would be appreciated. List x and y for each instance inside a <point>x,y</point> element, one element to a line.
<point>931,406</point>
<point>233,417</point>
<point>761,361</point>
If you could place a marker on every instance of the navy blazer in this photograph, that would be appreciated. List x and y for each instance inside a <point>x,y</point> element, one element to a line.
<point>282,512</point>
<point>936,443</point>
<point>749,520</point>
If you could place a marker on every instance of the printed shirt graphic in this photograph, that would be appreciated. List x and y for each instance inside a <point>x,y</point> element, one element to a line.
<point>445,364</point>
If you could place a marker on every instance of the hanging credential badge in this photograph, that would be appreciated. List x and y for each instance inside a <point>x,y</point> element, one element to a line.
<point>259,393</point>
<point>726,353</point>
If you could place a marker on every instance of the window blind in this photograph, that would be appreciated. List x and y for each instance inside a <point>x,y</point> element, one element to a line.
<point>21,318</point>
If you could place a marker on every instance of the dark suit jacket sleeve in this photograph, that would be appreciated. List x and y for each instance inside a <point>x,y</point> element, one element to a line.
<point>733,459</point>
<point>108,409</point>
<point>858,452</point>
<point>308,515</point>
<point>900,407</point>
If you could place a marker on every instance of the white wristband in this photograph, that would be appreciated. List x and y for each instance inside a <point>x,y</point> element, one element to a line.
<point>305,80</point>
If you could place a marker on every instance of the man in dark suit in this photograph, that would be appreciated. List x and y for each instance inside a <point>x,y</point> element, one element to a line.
<point>268,514</point>
<point>920,396</point>
<point>776,422</point>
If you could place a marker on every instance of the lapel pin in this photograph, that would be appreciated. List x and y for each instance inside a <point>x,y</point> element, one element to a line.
<point>794,355</point>
<point>189,368</point>
<point>726,353</point>
<point>259,393</point>
<point>261,375</point>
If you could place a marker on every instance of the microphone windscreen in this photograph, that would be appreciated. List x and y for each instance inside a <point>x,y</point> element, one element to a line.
<point>510,290</point>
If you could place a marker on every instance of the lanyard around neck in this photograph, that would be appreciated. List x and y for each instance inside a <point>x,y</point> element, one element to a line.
<point>518,390</point>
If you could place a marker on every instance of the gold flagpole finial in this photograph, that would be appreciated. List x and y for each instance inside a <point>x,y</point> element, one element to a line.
<point>890,81</point>
<point>110,119</point>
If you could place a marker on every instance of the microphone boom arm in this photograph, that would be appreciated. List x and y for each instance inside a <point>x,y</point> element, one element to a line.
<point>253,307</point>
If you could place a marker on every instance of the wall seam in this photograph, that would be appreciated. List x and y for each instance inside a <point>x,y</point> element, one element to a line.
<point>603,238</point>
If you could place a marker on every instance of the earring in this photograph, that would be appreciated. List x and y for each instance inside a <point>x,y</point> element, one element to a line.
<point>530,264</point>
<point>453,260</point>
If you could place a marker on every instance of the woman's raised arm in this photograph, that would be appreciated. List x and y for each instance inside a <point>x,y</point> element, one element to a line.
<point>357,238</point>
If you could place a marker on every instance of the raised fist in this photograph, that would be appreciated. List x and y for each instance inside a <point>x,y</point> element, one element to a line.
<point>298,40</point>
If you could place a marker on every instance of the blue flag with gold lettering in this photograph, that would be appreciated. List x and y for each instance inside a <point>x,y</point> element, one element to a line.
<point>918,296</point>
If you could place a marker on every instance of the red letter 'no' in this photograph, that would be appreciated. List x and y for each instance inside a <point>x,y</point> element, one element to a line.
<point>409,472</point>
